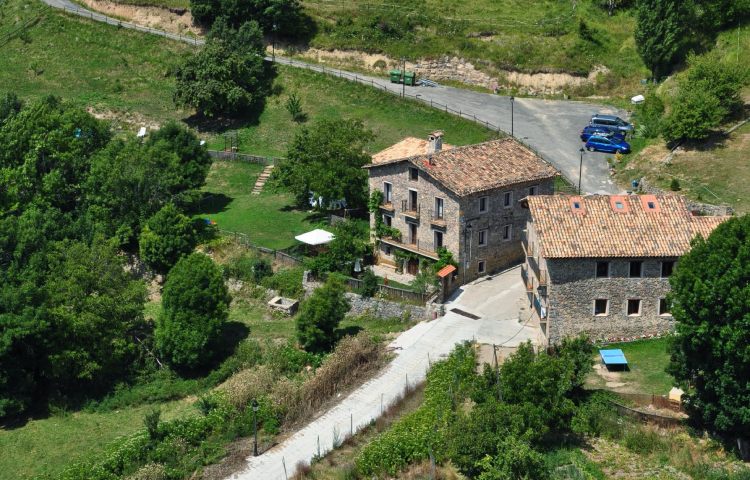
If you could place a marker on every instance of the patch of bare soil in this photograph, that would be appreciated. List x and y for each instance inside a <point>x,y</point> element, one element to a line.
<point>613,380</point>
<point>124,120</point>
<point>170,20</point>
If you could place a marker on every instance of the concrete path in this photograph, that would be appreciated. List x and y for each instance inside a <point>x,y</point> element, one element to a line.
<point>551,127</point>
<point>496,302</point>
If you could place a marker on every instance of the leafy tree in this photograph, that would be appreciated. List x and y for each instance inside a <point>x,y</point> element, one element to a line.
<point>717,14</point>
<point>709,73</point>
<point>286,15</point>
<point>710,354</point>
<point>327,159</point>
<point>661,32</point>
<point>193,160</point>
<point>68,324</point>
<point>515,460</point>
<point>694,116</point>
<point>350,242</point>
<point>320,316</point>
<point>195,308</point>
<point>167,236</point>
<point>579,351</point>
<point>227,76</point>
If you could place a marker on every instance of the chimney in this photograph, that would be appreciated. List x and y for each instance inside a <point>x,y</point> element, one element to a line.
<point>435,142</point>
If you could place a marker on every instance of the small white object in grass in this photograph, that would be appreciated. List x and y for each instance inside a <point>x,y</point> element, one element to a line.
<point>203,142</point>
<point>141,132</point>
<point>637,99</point>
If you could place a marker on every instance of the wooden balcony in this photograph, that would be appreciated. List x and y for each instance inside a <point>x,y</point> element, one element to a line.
<point>417,247</point>
<point>410,210</point>
<point>387,206</point>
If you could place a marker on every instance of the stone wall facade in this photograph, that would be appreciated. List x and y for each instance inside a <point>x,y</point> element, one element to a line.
<point>574,287</point>
<point>499,252</point>
<point>462,220</point>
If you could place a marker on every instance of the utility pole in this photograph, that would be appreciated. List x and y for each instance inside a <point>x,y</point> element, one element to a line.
<point>580,171</point>
<point>403,78</point>
<point>512,101</point>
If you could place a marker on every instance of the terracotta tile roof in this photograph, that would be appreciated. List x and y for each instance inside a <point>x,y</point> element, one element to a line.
<point>600,226</point>
<point>445,271</point>
<point>484,166</point>
<point>408,147</point>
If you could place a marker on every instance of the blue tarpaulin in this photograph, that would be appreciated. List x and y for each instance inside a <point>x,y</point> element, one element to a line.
<point>613,356</point>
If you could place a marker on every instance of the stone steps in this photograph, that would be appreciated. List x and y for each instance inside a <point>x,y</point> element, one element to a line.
<point>262,179</point>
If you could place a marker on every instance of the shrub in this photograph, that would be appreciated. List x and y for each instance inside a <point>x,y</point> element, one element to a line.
<point>369,284</point>
<point>287,281</point>
<point>515,459</point>
<point>294,107</point>
<point>320,316</point>
<point>151,422</point>
<point>246,385</point>
<point>674,185</point>
<point>150,471</point>
<point>249,268</point>
<point>415,435</point>
<point>167,236</point>
<point>195,307</point>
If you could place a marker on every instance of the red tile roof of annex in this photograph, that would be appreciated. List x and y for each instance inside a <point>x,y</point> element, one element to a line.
<point>601,226</point>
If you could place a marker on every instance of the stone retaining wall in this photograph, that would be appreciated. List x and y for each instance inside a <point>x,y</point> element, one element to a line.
<point>701,208</point>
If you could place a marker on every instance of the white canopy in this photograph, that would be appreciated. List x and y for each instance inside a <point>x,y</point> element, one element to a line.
<point>315,237</point>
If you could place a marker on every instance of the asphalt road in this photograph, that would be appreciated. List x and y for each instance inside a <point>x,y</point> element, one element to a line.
<point>496,302</point>
<point>551,127</point>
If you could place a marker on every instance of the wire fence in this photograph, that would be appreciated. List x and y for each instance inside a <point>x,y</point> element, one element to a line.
<point>243,157</point>
<point>244,240</point>
<point>85,13</point>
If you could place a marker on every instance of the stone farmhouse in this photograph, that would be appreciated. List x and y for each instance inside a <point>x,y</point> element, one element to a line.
<point>465,199</point>
<point>600,264</point>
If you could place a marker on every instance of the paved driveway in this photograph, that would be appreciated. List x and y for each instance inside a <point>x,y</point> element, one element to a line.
<point>495,302</point>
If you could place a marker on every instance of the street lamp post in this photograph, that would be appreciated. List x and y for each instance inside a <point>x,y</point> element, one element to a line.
<point>580,170</point>
<point>512,101</point>
<point>255,427</point>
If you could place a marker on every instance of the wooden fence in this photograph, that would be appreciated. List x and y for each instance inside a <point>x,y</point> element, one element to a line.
<point>243,157</point>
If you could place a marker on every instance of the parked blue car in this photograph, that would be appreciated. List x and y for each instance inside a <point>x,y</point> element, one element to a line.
<point>607,144</point>
<point>590,130</point>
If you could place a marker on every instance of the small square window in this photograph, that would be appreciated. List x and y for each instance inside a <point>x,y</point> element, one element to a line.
<point>507,232</point>
<point>619,205</point>
<point>602,269</point>
<point>480,266</point>
<point>634,307</point>
<point>483,201</point>
<point>601,307</point>
<point>667,268</point>
<point>482,238</point>
<point>651,205</point>
<point>413,174</point>
<point>636,269</point>
<point>532,190</point>
<point>664,307</point>
<point>508,199</point>
<point>577,205</point>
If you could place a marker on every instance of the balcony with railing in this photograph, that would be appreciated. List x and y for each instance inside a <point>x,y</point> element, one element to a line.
<point>410,209</point>
<point>426,249</point>
<point>437,218</point>
<point>387,206</point>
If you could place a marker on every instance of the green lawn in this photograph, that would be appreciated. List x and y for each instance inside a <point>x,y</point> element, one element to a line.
<point>44,447</point>
<point>268,219</point>
<point>327,97</point>
<point>116,71</point>
<point>647,360</point>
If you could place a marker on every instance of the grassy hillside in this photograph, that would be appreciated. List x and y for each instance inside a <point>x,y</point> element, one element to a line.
<point>533,36</point>
<point>97,65</point>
